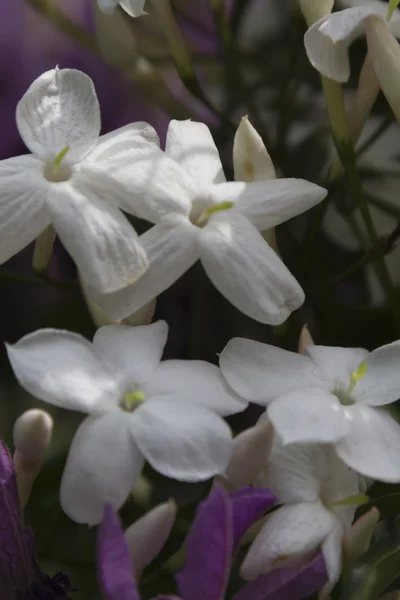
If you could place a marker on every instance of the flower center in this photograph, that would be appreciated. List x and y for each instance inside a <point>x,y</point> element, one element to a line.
<point>345,397</point>
<point>56,171</point>
<point>201,219</point>
<point>131,400</point>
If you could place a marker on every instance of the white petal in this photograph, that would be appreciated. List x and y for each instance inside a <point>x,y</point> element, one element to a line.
<point>97,235</point>
<point>332,553</point>
<point>192,146</point>
<point>59,367</point>
<point>328,40</point>
<point>269,203</point>
<point>171,250</point>
<point>107,6</point>
<point>260,372</point>
<point>182,441</point>
<point>289,531</point>
<point>337,364</point>
<point>251,160</point>
<point>381,383</point>
<point>246,270</point>
<point>372,445</point>
<point>60,109</point>
<point>308,415</point>
<point>120,144</point>
<point>132,353</point>
<point>197,382</point>
<point>23,213</point>
<point>102,466</point>
<point>134,8</point>
<point>146,182</point>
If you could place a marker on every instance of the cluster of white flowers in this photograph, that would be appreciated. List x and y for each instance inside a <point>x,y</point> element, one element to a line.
<point>325,406</point>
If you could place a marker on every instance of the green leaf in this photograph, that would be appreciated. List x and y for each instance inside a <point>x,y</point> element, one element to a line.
<point>376,569</point>
<point>393,4</point>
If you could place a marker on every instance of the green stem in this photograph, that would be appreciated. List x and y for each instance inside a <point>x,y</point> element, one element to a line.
<point>42,252</point>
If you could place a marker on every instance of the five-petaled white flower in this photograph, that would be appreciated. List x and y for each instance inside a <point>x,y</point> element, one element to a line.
<point>199,215</point>
<point>58,118</point>
<point>167,413</point>
<point>328,395</point>
<point>327,41</point>
<point>314,486</point>
<point>134,8</point>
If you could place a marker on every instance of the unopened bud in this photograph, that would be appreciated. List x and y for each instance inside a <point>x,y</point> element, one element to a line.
<point>315,9</point>
<point>32,435</point>
<point>251,450</point>
<point>251,160</point>
<point>147,535</point>
<point>305,339</point>
<point>385,55</point>
<point>358,538</point>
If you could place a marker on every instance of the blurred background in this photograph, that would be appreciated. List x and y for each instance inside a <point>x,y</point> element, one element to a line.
<point>259,69</point>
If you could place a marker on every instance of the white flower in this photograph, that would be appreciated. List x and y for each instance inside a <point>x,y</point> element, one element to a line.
<point>327,395</point>
<point>327,41</point>
<point>134,8</point>
<point>139,408</point>
<point>58,118</point>
<point>199,215</point>
<point>309,481</point>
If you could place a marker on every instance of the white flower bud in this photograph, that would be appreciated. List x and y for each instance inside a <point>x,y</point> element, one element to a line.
<point>32,434</point>
<point>305,339</point>
<point>251,160</point>
<point>384,51</point>
<point>147,535</point>
<point>251,450</point>
<point>315,9</point>
<point>358,538</point>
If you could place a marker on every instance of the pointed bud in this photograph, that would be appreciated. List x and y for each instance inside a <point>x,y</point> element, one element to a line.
<point>32,435</point>
<point>251,160</point>
<point>305,339</point>
<point>147,535</point>
<point>358,538</point>
<point>385,55</point>
<point>251,450</point>
<point>315,9</point>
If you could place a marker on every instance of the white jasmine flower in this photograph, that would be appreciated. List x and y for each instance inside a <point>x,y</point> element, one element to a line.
<point>139,408</point>
<point>58,118</point>
<point>311,482</point>
<point>327,41</point>
<point>199,215</point>
<point>327,395</point>
<point>134,8</point>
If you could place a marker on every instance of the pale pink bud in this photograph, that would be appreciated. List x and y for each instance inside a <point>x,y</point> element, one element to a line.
<point>358,538</point>
<point>147,535</point>
<point>305,339</point>
<point>32,435</point>
<point>251,450</point>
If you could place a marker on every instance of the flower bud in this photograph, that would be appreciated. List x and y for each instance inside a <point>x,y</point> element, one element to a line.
<point>147,535</point>
<point>315,9</point>
<point>358,538</point>
<point>32,435</point>
<point>251,450</point>
<point>251,160</point>
<point>384,51</point>
<point>305,339</point>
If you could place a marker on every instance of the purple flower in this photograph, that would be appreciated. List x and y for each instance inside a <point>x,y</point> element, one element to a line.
<point>20,576</point>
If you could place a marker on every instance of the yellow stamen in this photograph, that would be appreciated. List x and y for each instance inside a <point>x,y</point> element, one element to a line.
<point>357,500</point>
<point>210,211</point>
<point>355,376</point>
<point>58,159</point>
<point>132,398</point>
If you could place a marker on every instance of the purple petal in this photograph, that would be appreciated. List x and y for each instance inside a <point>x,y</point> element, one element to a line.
<point>114,562</point>
<point>290,583</point>
<point>248,506</point>
<point>17,570</point>
<point>209,550</point>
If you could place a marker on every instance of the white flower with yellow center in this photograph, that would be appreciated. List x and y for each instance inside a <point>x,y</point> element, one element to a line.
<point>58,118</point>
<point>134,8</point>
<point>139,408</point>
<point>199,215</point>
<point>328,395</point>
